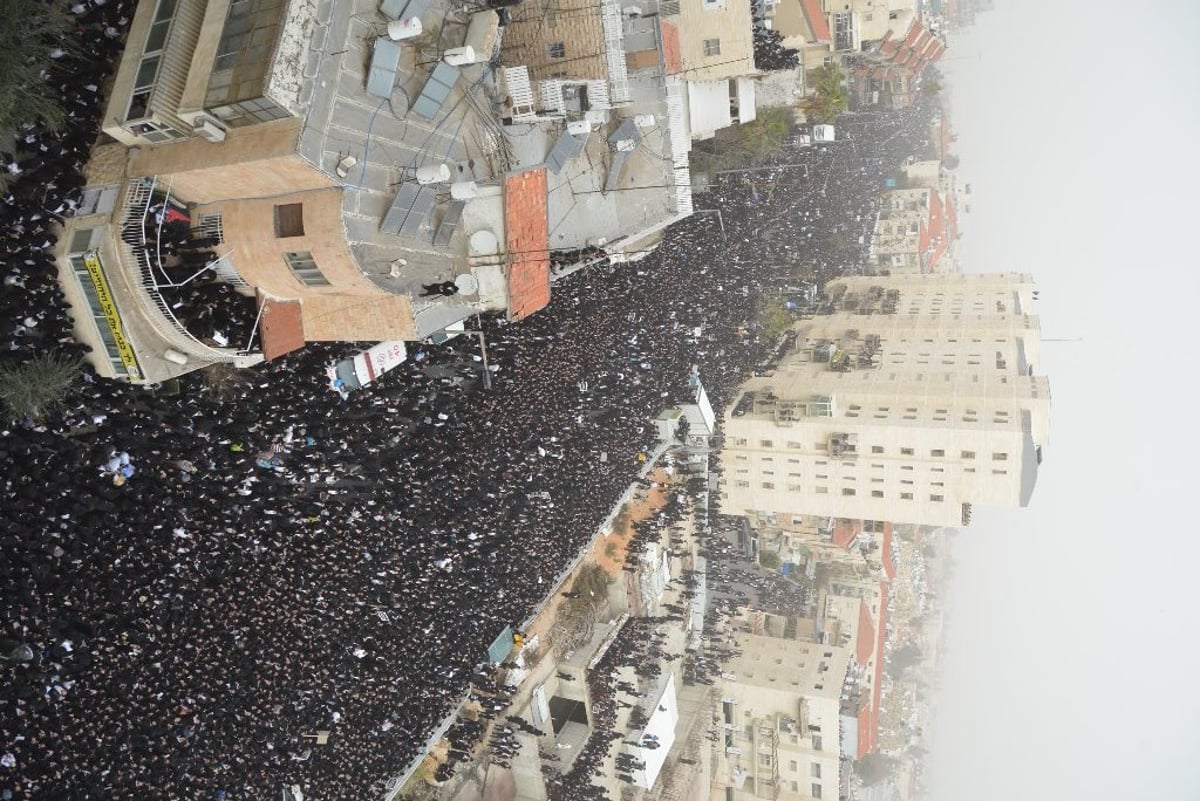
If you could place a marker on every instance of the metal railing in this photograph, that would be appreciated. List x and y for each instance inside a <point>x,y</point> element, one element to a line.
<point>136,249</point>
<point>614,51</point>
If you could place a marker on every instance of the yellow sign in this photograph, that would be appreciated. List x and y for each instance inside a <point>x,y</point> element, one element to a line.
<point>108,307</point>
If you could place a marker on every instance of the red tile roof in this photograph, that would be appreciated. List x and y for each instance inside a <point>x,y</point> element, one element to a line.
<point>281,326</point>
<point>945,137</point>
<point>914,33</point>
<point>671,51</point>
<point>815,17</point>
<point>885,551</point>
<point>936,244</point>
<point>866,732</point>
<point>844,532</point>
<point>527,236</point>
<point>865,641</point>
<point>877,688</point>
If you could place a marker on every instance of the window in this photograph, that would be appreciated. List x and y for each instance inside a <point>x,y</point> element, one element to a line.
<point>906,451</point>
<point>876,449</point>
<point>815,770</point>
<point>999,457</point>
<point>937,498</point>
<point>793,766</point>
<point>876,493</point>
<point>741,484</point>
<point>816,790</point>
<point>848,490</point>
<point>556,50</point>
<point>817,742</point>
<point>968,454</point>
<point>304,268</point>
<point>766,443</point>
<point>764,759</point>
<point>712,47</point>
<point>822,490</point>
<point>768,485</point>
<point>906,496</point>
<point>289,220</point>
<point>999,472</point>
<point>937,452</point>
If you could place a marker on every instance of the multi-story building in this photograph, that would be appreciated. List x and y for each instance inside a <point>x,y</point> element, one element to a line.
<point>916,227</point>
<point>781,713</point>
<point>309,151</point>
<point>326,165</point>
<point>913,398</point>
<point>824,30</point>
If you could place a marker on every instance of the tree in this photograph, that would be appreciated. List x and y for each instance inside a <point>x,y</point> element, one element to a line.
<point>902,659</point>
<point>769,52</point>
<point>829,98</point>
<point>875,768</point>
<point>769,559</point>
<point>747,144</point>
<point>33,43</point>
<point>31,390</point>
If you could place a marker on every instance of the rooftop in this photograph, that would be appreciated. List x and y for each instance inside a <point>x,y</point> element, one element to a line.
<point>374,146</point>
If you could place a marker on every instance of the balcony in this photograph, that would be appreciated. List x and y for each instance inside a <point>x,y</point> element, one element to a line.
<point>141,245</point>
<point>843,445</point>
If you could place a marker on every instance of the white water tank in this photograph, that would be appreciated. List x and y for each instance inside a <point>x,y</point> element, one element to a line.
<point>433,174</point>
<point>174,356</point>
<point>482,243</point>
<point>644,121</point>
<point>404,28</point>
<point>464,190</point>
<point>579,127</point>
<point>459,56</point>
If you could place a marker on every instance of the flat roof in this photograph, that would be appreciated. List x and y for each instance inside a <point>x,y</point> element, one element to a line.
<point>325,57</point>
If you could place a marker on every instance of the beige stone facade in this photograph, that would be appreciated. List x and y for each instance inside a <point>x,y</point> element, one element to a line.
<point>914,400</point>
<point>781,721</point>
<point>716,39</point>
<point>557,39</point>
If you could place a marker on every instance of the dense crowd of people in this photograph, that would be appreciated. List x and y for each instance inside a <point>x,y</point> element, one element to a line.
<point>278,560</point>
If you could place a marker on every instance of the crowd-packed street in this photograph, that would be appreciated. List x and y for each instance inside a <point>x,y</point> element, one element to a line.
<point>200,581</point>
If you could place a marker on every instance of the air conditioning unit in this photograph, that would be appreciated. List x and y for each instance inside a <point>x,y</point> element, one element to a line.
<point>207,128</point>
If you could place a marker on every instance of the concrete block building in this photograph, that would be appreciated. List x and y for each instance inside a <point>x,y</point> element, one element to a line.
<point>781,720</point>
<point>912,399</point>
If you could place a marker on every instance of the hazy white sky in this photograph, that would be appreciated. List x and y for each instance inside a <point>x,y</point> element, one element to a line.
<point>1075,633</point>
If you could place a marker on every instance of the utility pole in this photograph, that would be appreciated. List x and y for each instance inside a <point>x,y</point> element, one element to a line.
<point>720,219</point>
<point>487,373</point>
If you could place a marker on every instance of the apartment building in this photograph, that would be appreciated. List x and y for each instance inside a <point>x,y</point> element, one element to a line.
<point>913,398</point>
<point>915,229</point>
<point>781,710</point>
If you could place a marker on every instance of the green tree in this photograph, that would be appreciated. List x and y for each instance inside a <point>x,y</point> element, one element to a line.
<point>829,98</point>
<point>774,320</point>
<point>747,144</point>
<point>32,389</point>
<point>903,659</point>
<point>875,768</point>
<point>34,41</point>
